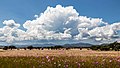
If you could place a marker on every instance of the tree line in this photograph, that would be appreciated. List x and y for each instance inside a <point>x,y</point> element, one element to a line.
<point>115,46</point>
<point>58,47</point>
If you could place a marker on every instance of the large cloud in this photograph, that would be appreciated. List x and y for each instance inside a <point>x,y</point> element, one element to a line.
<point>8,30</point>
<point>60,23</point>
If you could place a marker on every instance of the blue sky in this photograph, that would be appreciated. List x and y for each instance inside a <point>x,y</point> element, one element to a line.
<point>21,11</point>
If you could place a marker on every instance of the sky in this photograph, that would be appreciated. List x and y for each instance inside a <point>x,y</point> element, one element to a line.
<point>24,16</point>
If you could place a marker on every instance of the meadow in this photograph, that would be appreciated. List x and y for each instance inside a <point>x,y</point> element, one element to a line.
<point>73,58</point>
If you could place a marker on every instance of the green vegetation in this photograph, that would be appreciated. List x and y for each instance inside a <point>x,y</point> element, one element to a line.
<point>30,47</point>
<point>9,47</point>
<point>103,47</point>
<point>107,47</point>
<point>60,62</point>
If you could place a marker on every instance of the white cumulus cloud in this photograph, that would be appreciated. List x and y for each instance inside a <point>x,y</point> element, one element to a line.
<point>60,23</point>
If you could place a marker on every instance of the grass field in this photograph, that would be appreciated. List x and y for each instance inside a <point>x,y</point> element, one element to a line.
<point>73,58</point>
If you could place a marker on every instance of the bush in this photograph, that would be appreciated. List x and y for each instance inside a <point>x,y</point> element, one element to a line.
<point>12,47</point>
<point>5,48</point>
<point>95,47</point>
<point>30,47</point>
<point>104,48</point>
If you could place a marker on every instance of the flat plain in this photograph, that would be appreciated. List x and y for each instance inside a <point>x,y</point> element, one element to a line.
<point>72,58</point>
<point>46,52</point>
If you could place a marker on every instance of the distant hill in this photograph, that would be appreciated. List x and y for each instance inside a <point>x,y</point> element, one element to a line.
<point>35,45</point>
<point>75,44</point>
<point>78,45</point>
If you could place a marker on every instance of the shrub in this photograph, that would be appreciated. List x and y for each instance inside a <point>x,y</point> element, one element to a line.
<point>104,48</point>
<point>5,48</point>
<point>12,47</point>
<point>95,47</point>
<point>30,47</point>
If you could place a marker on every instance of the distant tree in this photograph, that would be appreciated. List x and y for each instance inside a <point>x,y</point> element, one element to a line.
<point>18,48</point>
<point>12,47</point>
<point>42,48</point>
<point>67,48</point>
<point>24,48</point>
<point>51,47</point>
<point>48,48</point>
<point>115,46</point>
<point>30,47</point>
<point>88,48</point>
<point>5,48</point>
<point>105,48</point>
<point>58,47</point>
<point>95,47</point>
<point>38,48</point>
<point>80,48</point>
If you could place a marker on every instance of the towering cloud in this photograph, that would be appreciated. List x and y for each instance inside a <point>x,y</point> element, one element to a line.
<point>9,32</point>
<point>60,23</point>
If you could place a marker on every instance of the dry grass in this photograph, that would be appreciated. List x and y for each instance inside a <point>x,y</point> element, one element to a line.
<point>73,58</point>
<point>45,52</point>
